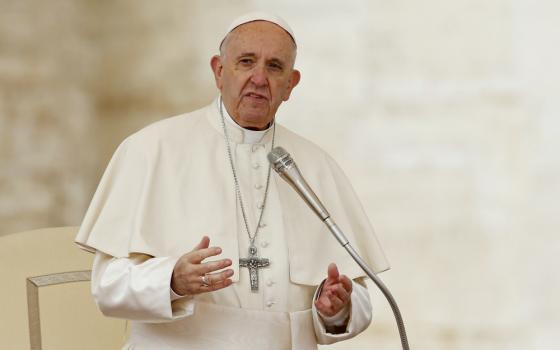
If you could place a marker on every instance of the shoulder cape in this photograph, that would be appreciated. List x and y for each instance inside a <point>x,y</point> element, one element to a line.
<point>169,184</point>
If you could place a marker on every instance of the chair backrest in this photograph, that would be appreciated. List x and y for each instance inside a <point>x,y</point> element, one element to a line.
<point>45,295</point>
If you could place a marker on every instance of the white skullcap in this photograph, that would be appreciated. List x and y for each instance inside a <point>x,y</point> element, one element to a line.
<point>259,16</point>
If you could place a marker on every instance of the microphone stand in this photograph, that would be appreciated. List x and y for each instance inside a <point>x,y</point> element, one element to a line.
<point>284,165</point>
<point>341,238</point>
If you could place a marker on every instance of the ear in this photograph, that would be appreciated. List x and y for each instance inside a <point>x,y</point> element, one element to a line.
<point>295,76</point>
<point>217,66</point>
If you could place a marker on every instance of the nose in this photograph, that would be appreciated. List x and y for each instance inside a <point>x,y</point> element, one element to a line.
<point>259,76</point>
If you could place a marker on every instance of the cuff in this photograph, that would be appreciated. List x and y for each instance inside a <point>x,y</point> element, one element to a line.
<point>338,319</point>
<point>359,317</point>
<point>335,324</point>
<point>173,295</point>
<point>181,305</point>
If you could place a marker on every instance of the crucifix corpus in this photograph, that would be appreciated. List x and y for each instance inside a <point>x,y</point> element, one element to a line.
<point>253,263</point>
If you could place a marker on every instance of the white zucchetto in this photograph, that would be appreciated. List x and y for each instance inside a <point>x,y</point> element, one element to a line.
<point>259,16</point>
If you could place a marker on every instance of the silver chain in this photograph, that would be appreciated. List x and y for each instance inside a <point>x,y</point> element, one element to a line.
<point>236,181</point>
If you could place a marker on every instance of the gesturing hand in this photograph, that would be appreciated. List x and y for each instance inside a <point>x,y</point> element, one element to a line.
<point>335,294</point>
<point>192,276</point>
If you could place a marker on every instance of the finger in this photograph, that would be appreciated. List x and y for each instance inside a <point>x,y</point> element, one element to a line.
<point>321,307</point>
<point>339,288</point>
<point>197,256</point>
<point>204,243</point>
<point>211,278</point>
<point>332,272</point>
<point>338,296</point>
<point>222,284</point>
<point>341,293</point>
<point>219,277</point>
<point>325,306</point>
<point>325,300</point>
<point>211,266</point>
<point>346,283</point>
<point>336,303</point>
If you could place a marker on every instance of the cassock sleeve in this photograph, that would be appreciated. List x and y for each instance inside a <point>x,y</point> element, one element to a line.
<point>359,318</point>
<point>137,288</point>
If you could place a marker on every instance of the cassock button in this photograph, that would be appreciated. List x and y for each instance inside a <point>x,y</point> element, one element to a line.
<point>270,303</point>
<point>258,186</point>
<point>256,166</point>
<point>264,244</point>
<point>262,225</point>
<point>269,283</point>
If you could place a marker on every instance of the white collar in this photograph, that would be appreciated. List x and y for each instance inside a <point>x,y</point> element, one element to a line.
<point>249,136</point>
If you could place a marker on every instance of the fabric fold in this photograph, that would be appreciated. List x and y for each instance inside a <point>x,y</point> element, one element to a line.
<point>158,196</point>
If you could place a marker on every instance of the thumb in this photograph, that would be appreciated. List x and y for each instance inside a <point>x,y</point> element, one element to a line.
<point>333,272</point>
<point>204,243</point>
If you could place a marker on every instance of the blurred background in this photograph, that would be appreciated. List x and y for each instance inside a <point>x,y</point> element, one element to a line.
<point>444,115</point>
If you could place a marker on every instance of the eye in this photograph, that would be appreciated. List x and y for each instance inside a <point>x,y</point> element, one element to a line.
<point>246,61</point>
<point>275,66</point>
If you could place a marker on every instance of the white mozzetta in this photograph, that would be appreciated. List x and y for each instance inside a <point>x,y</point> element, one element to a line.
<point>169,184</point>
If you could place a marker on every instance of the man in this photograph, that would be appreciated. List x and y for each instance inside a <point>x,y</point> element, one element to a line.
<point>267,281</point>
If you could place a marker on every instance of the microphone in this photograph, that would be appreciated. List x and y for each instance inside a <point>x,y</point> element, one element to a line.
<point>284,165</point>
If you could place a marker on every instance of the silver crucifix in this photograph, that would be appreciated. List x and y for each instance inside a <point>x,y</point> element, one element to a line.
<point>253,263</point>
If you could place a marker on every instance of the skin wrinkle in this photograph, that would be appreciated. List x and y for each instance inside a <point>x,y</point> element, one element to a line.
<point>254,72</point>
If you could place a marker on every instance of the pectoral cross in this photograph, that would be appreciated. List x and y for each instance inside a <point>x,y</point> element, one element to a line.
<point>253,263</point>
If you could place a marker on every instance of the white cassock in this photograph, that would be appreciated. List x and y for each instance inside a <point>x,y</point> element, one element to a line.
<point>171,183</point>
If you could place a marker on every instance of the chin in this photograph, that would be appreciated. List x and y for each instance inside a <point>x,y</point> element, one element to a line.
<point>255,120</point>
<point>256,125</point>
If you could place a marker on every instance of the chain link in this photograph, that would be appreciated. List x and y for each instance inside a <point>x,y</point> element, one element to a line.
<point>236,181</point>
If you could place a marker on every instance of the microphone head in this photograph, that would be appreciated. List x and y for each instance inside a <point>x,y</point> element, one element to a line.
<point>276,153</point>
<point>279,158</point>
<point>285,166</point>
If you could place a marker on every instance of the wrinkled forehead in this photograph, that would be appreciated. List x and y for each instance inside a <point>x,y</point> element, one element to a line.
<point>259,16</point>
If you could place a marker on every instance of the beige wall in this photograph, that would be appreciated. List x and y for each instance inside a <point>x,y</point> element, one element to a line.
<point>443,113</point>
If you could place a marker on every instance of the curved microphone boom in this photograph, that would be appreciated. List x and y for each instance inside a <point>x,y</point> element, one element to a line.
<point>285,166</point>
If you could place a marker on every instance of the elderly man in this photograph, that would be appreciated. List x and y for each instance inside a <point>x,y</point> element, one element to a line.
<point>271,278</point>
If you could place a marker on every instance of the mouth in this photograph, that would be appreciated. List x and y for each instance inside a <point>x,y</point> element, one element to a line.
<point>254,95</point>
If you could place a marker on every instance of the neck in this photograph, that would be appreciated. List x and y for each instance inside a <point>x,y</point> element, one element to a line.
<point>250,134</point>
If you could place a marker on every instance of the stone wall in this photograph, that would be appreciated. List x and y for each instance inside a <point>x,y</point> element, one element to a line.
<point>76,77</point>
<point>443,114</point>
